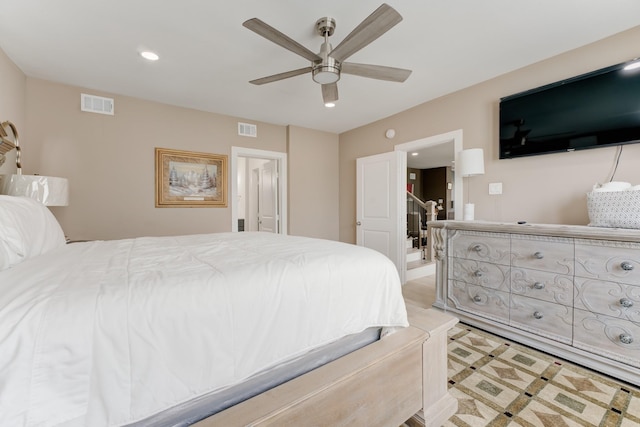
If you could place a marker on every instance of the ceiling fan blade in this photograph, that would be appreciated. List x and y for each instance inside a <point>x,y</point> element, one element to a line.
<point>330,92</point>
<point>379,22</point>
<point>281,76</point>
<point>270,33</point>
<point>379,72</point>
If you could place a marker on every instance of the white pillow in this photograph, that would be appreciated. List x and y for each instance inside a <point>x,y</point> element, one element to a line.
<point>27,229</point>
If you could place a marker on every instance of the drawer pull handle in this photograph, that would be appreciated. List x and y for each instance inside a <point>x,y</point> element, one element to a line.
<point>626,338</point>
<point>538,255</point>
<point>478,273</point>
<point>477,248</point>
<point>477,298</point>
<point>626,302</point>
<point>538,315</point>
<point>538,285</point>
<point>626,266</point>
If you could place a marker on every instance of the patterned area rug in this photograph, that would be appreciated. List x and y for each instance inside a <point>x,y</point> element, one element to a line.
<point>501,383</point>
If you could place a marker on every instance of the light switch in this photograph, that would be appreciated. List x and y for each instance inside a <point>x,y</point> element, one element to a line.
<point>495,188</point>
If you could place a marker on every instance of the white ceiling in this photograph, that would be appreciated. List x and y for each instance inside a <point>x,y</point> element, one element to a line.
<point>207,57</point>
<point>434,156</point>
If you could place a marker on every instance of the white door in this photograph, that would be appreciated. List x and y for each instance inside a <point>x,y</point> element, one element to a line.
<point>251,222</point>
<point>380,205</point>
<point>268,197</point>
<point>247,160</point>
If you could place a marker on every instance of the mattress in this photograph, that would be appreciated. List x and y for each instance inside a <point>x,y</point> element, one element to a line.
<point>110,333</point>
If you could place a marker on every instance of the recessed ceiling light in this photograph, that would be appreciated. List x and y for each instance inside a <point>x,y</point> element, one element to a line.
<point>151,56</point>
<point>414,154</point>
<point>329,104</point>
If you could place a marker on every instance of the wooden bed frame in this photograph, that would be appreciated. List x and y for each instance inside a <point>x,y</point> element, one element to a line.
<point>400,378</point>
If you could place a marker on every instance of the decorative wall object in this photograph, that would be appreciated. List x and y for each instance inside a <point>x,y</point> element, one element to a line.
<point>49,190</point>
<point>190,179</point>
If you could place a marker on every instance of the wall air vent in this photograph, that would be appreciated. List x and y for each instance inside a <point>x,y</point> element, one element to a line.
<point>96,104</point>
<point>246,129</point>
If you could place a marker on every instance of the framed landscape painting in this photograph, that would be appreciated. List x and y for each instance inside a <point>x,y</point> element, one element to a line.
<point>190,179</point>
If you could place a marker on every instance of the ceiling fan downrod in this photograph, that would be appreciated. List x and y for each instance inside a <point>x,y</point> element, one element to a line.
<point>327,70</point>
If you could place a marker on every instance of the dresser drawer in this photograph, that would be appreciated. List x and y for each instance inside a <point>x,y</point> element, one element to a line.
<point>610,298</point>
<point>542,253</point>
<point>608,260</point>
<point>480,273</point>
<point>542,318</point>
<point>480,301</point>
<point>613,338</point>
<point>480,246</point>
<point>542,285</point>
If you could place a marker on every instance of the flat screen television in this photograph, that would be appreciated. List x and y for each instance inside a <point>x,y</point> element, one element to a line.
<point>598,109</point>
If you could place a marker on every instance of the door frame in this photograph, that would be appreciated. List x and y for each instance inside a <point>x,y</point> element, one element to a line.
<point>281,159</point>
<point>444,138</point>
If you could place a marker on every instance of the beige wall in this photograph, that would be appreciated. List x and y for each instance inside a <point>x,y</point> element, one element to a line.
<point>313,182</point>
<point>110,163</point>
<point>12,103</point>
<point>544,189</point>
<point>109,160</point>
<point>417,182</point>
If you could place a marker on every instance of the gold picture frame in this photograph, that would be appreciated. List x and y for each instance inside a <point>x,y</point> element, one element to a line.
<point>190,179</point>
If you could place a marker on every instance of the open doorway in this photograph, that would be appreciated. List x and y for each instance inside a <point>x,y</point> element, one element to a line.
<point>432,153</point>
<point>258,190</point>
<point>438,151</point>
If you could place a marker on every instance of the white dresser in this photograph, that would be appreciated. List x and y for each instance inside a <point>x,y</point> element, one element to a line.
<point>572,291</point>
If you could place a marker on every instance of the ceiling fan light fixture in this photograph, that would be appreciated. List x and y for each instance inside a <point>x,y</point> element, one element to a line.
<point>326,73</point>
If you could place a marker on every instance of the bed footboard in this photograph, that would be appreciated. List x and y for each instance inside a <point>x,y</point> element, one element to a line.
<point>438,404</point>
<point>382,384</point>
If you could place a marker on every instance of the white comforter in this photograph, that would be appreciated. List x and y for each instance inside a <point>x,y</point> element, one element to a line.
<point>111,332</point>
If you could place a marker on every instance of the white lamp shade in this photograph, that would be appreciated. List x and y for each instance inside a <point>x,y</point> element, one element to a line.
<point>49,190</point>
<point>471,162</point>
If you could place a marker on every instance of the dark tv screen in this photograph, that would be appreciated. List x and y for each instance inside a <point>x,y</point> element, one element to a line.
<point>598,109</point>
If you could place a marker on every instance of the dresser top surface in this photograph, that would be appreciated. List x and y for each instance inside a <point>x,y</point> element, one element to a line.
<point>560,230</point>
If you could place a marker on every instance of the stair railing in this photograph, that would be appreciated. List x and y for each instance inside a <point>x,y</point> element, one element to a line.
<point>418,214</point>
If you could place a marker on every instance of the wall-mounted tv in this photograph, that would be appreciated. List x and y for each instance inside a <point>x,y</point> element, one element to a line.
<point>598,109</point>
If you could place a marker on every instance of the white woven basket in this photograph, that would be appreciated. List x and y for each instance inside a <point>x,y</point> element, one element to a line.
<point>618,209</point>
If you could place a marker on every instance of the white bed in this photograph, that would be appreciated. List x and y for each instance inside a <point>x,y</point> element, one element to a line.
<point>114,332</point>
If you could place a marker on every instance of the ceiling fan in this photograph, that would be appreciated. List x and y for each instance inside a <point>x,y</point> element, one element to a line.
<point>327,65</point>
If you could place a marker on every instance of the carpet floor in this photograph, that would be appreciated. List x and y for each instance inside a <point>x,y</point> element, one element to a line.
<point>501,383</point>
